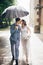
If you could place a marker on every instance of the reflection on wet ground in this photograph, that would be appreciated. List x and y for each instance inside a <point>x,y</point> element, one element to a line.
<point>4,50</point>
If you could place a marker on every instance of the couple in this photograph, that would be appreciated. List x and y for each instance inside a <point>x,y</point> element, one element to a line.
<point>15,30</point>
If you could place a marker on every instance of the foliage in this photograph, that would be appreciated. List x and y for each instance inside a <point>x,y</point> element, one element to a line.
<point>5,3</point>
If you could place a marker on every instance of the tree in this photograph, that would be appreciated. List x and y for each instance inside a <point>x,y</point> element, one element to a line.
<point>4,4</point>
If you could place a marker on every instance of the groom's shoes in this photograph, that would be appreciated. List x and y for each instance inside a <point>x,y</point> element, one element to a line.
<point>17,62</point>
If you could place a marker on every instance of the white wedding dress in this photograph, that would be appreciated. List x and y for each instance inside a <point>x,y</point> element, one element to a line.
<point>25,34</point>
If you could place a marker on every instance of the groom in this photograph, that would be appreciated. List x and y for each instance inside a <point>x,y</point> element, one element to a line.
<point>15,39</point>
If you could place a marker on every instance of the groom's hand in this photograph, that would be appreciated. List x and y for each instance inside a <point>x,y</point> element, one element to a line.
<point>16,27</point>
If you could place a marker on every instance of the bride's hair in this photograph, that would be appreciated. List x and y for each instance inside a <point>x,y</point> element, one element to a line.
<point>24,22</point>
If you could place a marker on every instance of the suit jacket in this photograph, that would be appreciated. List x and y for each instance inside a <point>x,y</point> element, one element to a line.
<point>15,33</point>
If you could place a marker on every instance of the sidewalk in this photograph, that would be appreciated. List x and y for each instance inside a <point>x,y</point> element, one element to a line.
<point>36,46</point>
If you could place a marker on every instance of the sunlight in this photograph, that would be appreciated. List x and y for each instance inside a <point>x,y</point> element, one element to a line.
<point>25,4</point>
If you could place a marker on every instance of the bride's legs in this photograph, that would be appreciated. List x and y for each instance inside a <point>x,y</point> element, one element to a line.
<point>25,51</point>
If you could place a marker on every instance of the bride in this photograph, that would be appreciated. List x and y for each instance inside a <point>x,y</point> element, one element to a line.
<point>25,35</point>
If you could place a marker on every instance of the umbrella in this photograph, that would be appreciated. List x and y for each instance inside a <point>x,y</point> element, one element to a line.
<point>14,12</point>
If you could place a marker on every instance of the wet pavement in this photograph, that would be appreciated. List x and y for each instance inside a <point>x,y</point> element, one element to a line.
<point>35,49</point>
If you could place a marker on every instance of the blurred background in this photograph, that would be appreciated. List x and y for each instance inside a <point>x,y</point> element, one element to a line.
<point>34,21</point>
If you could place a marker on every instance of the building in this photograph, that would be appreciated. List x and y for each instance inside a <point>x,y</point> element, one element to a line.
<point>36,15</point>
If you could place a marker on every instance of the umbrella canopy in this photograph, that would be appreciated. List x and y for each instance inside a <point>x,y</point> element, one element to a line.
<point>14,12</point>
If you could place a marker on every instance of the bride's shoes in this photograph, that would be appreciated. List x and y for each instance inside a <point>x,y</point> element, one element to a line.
<point>27,62</point>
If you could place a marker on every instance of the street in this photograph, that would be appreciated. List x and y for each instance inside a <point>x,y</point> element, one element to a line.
<point>35,45</point>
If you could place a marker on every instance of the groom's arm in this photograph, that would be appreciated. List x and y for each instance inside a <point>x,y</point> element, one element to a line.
<point>12,29</point>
